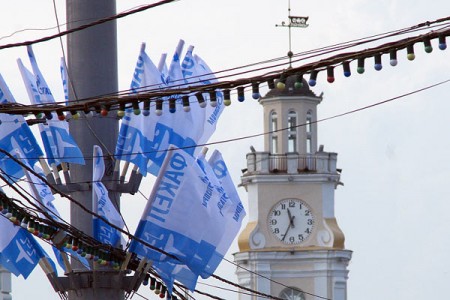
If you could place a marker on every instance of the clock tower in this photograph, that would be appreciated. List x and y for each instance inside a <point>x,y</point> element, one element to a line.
<point>292,247</point>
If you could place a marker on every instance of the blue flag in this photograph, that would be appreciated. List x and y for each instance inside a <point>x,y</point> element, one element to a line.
<point>44,199</point>
<point>185,216</point>
<point>103,206</point>
<point>144,140</point>
<point>59,145</point>
<point>230,209</point>
<point>19,251</point>
<point>197,72</point>
<point>15,134</point>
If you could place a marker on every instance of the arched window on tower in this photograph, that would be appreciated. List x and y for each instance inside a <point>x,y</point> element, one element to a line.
<point>273,135</point>
<point>308,132</point>
<point>292,131</point>
<point>292,293</point>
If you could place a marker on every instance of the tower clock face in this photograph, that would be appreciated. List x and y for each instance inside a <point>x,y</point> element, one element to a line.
<point>291,221</point>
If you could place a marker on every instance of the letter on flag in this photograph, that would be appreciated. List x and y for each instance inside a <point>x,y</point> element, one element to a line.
<point>103,206</point>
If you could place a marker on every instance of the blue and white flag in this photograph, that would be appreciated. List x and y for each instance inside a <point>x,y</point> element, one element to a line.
<point>212,114</point>
<point>162,222</point>
<point>44,198</point>
<point>230,208</point>
<point>64,79</point>
<point>15,134</point>
<point>58,143</point>
<point>103,206</point>
<point>143,140</point>
<point>182,218</point>
<point>216,206</point>
<point>162,67</point>
<point>19,251</point>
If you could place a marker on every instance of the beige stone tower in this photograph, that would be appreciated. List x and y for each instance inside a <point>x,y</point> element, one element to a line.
<point>292,238</point>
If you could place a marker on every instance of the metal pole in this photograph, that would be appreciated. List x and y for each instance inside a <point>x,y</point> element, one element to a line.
<point>5,284</point>
<point>92,70</point>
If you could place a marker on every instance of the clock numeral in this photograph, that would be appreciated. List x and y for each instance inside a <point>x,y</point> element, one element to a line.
<point>277,212</point>
<point>310,221</point>
<point>273,222</point>
<point>283,205</point>
<point>300,237</point>
<point>276,230</point>
<point>308,231</point>
<point>292,203</point>
<point>291,239</point>
<point>307,212</point>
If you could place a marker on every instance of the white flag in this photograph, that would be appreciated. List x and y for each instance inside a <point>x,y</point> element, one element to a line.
<point>103,206</point>
<point>58,143</point>
<point>230,207</point>
<point>15,134</point>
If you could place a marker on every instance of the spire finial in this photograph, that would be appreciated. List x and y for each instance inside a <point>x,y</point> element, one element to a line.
<point>294,21</point>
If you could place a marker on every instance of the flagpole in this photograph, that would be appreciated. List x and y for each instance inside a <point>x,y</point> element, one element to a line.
<point>92,71</point>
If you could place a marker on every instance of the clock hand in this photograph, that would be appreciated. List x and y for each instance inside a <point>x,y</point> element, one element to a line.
<point>291,224</point>
<point>291,218</point>
<point>287,229</point>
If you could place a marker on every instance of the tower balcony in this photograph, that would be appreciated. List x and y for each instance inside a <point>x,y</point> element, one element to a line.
<point>291,163</point>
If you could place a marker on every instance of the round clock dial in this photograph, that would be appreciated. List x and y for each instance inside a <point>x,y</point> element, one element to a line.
<point>291,221</point>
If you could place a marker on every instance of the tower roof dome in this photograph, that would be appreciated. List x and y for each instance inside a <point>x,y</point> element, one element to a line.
<point>291,90</point>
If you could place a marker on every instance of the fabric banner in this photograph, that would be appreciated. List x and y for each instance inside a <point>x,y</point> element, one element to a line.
<point>15,134</point>
<point>44,198</point>
<point>230,208</point>
<point>59,145</point>
<point>102,204</point>
<point>143,140</point>
<point>187,216</point>
<point>19,251</point>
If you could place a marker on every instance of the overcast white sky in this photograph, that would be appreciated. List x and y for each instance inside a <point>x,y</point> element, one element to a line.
<point>395,157</point>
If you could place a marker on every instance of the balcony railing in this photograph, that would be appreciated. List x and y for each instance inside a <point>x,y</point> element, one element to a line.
<point>291,163</point>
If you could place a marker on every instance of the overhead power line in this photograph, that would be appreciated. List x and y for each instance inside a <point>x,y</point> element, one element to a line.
<point>103,105</point>
<point>82,27</point>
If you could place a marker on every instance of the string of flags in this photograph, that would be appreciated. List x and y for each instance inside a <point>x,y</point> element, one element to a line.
<point>142,141</point>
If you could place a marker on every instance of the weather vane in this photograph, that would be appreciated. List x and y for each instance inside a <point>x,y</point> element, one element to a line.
<point>294,21</point>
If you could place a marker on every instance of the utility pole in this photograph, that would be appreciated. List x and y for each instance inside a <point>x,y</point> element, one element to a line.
<point>92,70</point>
<point>5,284</point>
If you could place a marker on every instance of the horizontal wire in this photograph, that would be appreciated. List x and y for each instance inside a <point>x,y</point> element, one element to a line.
<point>268,132</point>
<point>115,101</point>
<point>82,27</point>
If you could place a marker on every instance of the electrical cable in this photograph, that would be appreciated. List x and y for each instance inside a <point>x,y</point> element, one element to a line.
<point>114,101</point>
<point>88,123</point>
<point>95,23</point>
<point>80,234</point>
<point>296,126</point>
<point>321,51</point>
<point>380,102</point>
